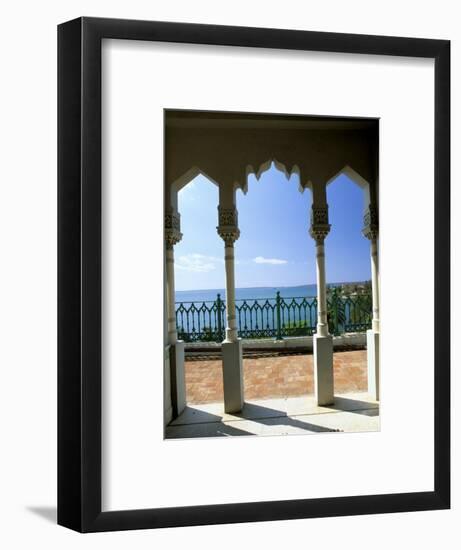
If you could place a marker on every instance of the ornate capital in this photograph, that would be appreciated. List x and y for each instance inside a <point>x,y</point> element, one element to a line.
<point>371,223</point>
<point>227,216</point>
<point>228,225</point>
<point>320,227</point>
<point>172,228</point>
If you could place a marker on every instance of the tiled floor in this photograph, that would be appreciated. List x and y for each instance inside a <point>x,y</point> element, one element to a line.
<point>267,377</point>
<point>352,412</point>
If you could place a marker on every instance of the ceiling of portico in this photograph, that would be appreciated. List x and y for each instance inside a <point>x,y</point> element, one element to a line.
<point>228,146</point>
<point>213,119</point>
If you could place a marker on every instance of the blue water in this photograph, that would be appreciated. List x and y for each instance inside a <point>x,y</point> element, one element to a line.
<point>257,313</point>
<point>304,291</point>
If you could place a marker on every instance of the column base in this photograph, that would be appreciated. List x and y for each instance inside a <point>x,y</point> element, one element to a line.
<point>167,408</point>
<point>178,378</point>
<point>232,368</point>
<point>231,335</point>
<point>323,370</point>
<point>373,363</point>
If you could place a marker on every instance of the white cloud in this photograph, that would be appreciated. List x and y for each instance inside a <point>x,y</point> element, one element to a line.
<point>273,261</point>
<point>198,263</point>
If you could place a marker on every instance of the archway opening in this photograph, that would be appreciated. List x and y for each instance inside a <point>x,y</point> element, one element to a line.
<point>199,281</point>
<point>349,295</point>
<point>276,298</point>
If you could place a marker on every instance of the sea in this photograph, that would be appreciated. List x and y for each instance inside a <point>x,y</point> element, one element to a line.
<point>251,293</point>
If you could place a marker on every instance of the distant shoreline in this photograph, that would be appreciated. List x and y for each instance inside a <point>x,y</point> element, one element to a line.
<point>274,286</point>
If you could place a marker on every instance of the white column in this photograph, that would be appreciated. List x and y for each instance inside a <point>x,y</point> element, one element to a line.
<point>323,341</point>
<point>172,333</point>
<point>176,347</point>
<point>232,356</point>
<point>322,322</point>
<point>375,283</point>
<point>370,231</point>
<point>231,327</point>
<point>167,404</point>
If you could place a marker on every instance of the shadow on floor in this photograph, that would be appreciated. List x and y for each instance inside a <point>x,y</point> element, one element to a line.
<point>274,417</point>
<point>215,429</point>
<point>48,513</point>
<point>198,423</point>
<point>194,422</point>
<point>346,404</point>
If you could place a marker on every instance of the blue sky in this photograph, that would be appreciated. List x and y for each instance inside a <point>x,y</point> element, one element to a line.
<point>274,248</point>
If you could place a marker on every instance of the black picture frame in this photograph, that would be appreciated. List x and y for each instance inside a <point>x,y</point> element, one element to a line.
<point>79,274</point>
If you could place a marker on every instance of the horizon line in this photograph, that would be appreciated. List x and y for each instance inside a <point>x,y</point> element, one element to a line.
<point>277,286</point>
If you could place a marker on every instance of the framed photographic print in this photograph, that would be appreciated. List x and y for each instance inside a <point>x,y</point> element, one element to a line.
<point>254,304</point>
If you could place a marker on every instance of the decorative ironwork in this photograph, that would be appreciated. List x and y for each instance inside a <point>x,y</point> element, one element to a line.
<point>201,322</point>
<point>272,317</point>
<point>350,313</point>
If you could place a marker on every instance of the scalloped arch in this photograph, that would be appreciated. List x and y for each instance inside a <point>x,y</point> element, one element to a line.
<point>265,166</point>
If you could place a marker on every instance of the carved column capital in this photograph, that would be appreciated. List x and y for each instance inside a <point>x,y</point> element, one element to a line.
<point>228,225</point>
<point>371,223</point>
<point>172,228</point>
<point>320,227</point>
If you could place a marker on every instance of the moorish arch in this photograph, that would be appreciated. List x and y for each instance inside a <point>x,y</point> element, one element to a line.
<point>226,148</point>
<point>265,166</point>
<point>175,384</point>
<point>370,232</point>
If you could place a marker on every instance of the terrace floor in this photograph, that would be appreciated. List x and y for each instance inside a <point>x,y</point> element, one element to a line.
<point>275,376</point>
<point>352,412</point>
<point>279,398</point>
